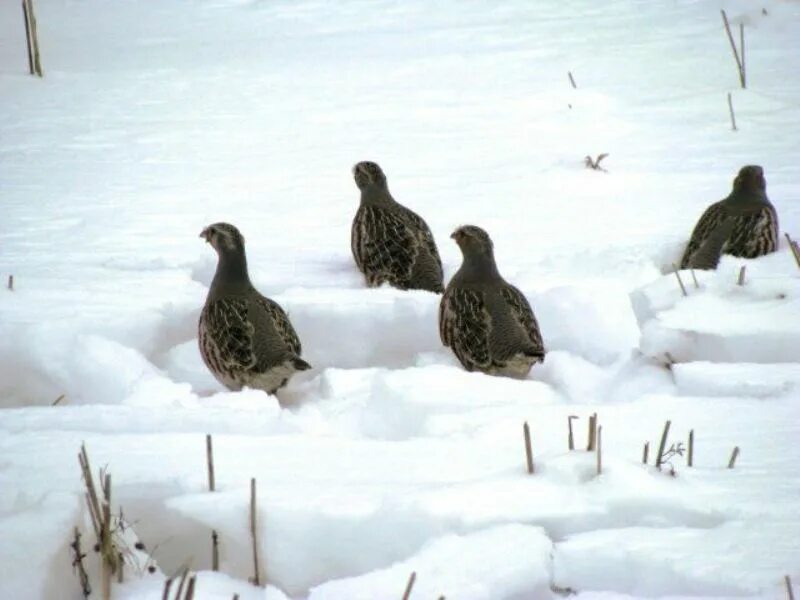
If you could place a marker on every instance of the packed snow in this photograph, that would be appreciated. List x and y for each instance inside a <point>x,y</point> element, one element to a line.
<point>154,120</point>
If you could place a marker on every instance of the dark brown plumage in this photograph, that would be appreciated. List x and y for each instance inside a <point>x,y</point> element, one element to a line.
<point>487,322</point>
<point>245,338</point>
<point>744,224</point>
<point>391,243</point>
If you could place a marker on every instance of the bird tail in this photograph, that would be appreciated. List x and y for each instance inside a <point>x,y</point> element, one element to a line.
<point>299,364</point>
<point>709,253</point>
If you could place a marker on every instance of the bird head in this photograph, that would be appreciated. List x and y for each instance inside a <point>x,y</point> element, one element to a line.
<point>750,179</point>
<point>224,238</point>
<point>368,173</point>
<point>473,241</point>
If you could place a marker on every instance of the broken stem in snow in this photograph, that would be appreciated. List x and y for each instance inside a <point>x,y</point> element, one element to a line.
<point>663,445</point>
<point>690,450</point>
<point>739,61</point>
<point>526,431</point>
<point>410,585</point>
<point>789,592</point>
<point>571,438</point>
<point>794,248</point>
<point>730,110</point>
<point>572,80</point>
<point>734,456</point>
<point>680,281</point>
<point>253,529</point>
<point>592,432</point>
<point>645,452</point>
<point>599,449</point>
<point>741,275</point>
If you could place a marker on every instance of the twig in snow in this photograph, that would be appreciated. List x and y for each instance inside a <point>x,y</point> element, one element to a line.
<point>739,60</point>
<point>253,511</point>
<point>741,275</point>
<point>789,592</point>
<point>526,431</point>
<point>167,586</point>
<point>77,564</point>
<point>214,550</point>
<point>107,549</point>
<point>571,438</point>
<point>599,449</point>
<point>734,456</point>
<point>410,585</point>
<point>794,248</point>
<point>680,281</point>
<point>58,400</point>
<point>572,80</point>
<point>645,452</point>
<point>179,592</point>
<point>592,432</point>
<point>11,283</point>
<point>663,445</point>
<point>595,163</point>
<point>730,110</point>
<point>694,278</point>
<point>690,451</point>
<point>32,37</point>
<point>190,588</point>
<point>211,488</point>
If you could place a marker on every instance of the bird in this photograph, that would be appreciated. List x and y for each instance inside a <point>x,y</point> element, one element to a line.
<point>486,321</point>
<point>245,338</point>
<point>745,224</point>
<point>391,243</point>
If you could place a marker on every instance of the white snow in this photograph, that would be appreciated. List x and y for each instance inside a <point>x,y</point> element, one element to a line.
<point>155,119</point>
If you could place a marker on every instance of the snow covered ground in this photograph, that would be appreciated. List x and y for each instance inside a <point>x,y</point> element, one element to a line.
<point>155,119</point>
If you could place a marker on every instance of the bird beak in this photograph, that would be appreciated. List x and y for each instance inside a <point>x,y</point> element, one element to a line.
<point>206,234</point>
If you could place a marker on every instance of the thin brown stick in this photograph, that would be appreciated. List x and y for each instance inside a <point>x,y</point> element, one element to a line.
<point>690,449</point>
<point>742,271</point>
<point>410,585</point>
<point>91,492</point>
<point>11,283</point>
<point>680,281</point>
<point>210,462</point>
<point>167,586</point>
<point>526,431</point>
<point>179,592</point>
<point>37,61</point>
<point>105,543</point>
<point>77,563</point>
<point>789,592</point>
<point>571,438</point>
<point>592,432</point>
<point>694,278</point>
<point>572,80</point>
<point>744,62</point>
<point>58,400</point>
<point>645,452</point>
<point>599,449</point>
<point>28,35</point>
<point>190,588</point>
<point>253,511</point>
<point>730,110</point>
<point>734,456</point>
<point>120,568</point>
<point>739,66</point>
<point>663,445</point>
<point>214,550</point>
<point>794,248</point>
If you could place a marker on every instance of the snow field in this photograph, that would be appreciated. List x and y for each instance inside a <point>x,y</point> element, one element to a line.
<point>386,458</point>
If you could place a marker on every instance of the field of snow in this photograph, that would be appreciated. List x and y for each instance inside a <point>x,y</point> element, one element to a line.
<point>155,119</point>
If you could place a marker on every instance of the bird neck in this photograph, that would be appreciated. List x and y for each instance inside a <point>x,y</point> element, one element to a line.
<point>748,198</point>
<point>375,193</point>
<point>478,267</point>
<point>231,272</point>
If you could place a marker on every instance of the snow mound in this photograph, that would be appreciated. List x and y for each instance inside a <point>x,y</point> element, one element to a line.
<point>719,320</point>
<point>736,379</point>
<point>501,563</point>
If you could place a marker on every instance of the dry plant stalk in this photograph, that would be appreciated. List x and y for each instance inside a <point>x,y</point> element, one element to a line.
<point>167,587</point>
<point>694,278</point>
<point>58,400</point>
<point>595,163</point>
<point>211,488</point>
<point>740,281</point>
<point>410,585</point>
<point>645,452</point>
<point>571,438</point>
<point>788,581</point>
<point>11,283</point>
<point>32,37</point>
<point>732,114</point>
<point>526,431</point>
<point>572,80</point>
<point>663,445</point>
<point>734,456</point>
<point>690,449</point>
<point>253,511</point>
<point>599,449</point>
<point>739,60</point>
<point>77,564</point>
<point>680,281</point>
<point>592,432</point>
<point>794,248</point>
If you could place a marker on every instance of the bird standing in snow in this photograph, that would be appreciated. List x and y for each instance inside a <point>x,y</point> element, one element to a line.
<point>245,338</point>
<point>487,322</point>
<point>744,224</point>
<point>391,243</point>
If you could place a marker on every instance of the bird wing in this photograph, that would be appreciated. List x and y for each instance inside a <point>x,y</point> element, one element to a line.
<point>756,234</point>
<point>383,245</point>
<point>709,252</point>
<point>424,234</point>
<point>226,322</point>
<point>275,339</point>
<point>709,220</point>
<point>523,313</point>
<point>464,326</point>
